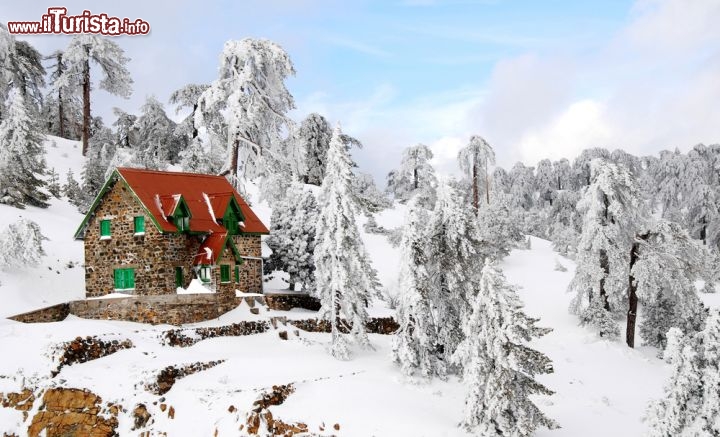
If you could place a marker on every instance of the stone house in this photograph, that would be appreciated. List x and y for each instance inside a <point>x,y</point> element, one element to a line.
<point>150,232</point>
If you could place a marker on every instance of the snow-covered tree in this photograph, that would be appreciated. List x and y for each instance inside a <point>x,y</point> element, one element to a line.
<point>156,143</point>
<point>313,137</point>
<point>344,278</point>
<point>498,229</point>
<point>454,243</point>
<point>665,263</point>
<point>22,157</point>
<point>111,59</point>
<point>581,168</point>
<point>250,94</point>
<point>498,367</point>
<point>545,180</point>
<point>97,166</point>
<point>292,239</point>
<point>188,97</point>
<point>500,184</point>
<point>522,186</point>
<point>414,176</point>
<point>691,403</point>
<point>21,245</point>
<point>612,213</point>
<point>562,173</point>
<point>474,160</point>
<point>199,158</point>
<point>367,195</point>
<point>62,109</point>
<point>71,189</point>
<point>53,183</point>
<point>563,222</point>
<point>27,74</point>
<point>414,343</point>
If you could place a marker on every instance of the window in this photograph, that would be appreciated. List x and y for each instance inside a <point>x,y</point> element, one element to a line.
<point>104,229</point>
<point>224,273</point>
<point>205,273</point>
<point>182,223</point>
<point>139,225</point>
<point>179,277</point>
<point>124,279</point>
<point>237,274</point>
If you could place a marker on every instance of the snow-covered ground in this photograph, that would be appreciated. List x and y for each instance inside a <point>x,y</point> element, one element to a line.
<point>602,387</point>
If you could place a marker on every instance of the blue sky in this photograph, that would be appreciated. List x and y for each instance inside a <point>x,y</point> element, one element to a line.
<point>536,78</point>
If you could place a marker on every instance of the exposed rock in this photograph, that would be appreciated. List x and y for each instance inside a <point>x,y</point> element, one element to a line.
<point>188,337</point>
<point>283,335</point>
<point>169,375</point>
<point>375,325</point>
<point>141,416</point>
<point>86,349</point>
<point>261,421</point>
<point>72,412</point>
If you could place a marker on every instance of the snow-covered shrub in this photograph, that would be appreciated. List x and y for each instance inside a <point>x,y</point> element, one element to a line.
<point>21,245</point>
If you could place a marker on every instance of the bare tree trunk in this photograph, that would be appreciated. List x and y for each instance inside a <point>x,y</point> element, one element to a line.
<point>475,185</point>
<point>605,265</point>
<point>487,184</point>
<point>234,159</point>
<point>61,117</point>
<point>632,299</point>
<point>195,129</point>
<point>86,103</point>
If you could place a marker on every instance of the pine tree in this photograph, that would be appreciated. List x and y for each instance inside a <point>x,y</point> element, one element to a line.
<point>292,240</point>
<point>665,264</point>
<point>691,403</point>
<point>187,97</point>
<point>21,245</point>
<point>343,275</point>
<point>250,94</point>
<point>107,54</point>
<point>22,160</point>
<point>414,343</point>
<point>612,212</point>
<point>53,183</point>
<point>313,138</point>
<point>414,176</point>
<point>498,366</point>
<point>156,145</point>
<point>474,160</point>
<point>453,250</point>
<point>196,159</point>
<point>367,196</point>
<point>71,189</point>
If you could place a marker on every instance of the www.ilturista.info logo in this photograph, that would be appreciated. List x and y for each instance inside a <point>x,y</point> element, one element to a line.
<point>56,21</point>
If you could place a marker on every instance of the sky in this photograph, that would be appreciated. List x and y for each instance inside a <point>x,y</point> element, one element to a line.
<point>536,79</point>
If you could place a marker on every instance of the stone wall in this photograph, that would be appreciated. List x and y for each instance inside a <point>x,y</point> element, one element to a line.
<point>286,302</point>
<point>153,255</point>
<point>53,313</point>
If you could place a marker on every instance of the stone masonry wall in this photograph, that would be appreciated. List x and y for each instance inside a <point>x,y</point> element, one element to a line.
<point>153,255</point>
<point>251,269</point>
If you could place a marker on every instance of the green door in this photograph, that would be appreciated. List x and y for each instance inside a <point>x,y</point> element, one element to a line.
<point>124,279</point>
<point>179,282</point>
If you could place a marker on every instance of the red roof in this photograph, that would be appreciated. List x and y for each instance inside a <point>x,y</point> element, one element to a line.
<point>206,196</point>
<point>211,248</point>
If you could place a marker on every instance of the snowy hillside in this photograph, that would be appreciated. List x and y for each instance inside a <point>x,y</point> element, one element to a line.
<point>602,387</point>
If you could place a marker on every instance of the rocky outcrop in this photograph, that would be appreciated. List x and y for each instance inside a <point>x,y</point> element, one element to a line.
<point>260,420</point>
<point>72,412</point>
<point>286,302</point>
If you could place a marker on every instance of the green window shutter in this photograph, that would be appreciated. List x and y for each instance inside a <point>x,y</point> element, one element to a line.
<point>205,273</point>
<point>237,273</point>
<point>179,282</point>
<point>224,273</point>
<point>119,279</point>
<point>104,228</point>
<point>129,278</point>
<point>140,224</point>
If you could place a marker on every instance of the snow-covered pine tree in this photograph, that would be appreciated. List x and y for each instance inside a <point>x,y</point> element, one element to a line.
<point>500,183</point>
<point>563,222</point>
<point>53,183</point>
<point>522,186</point>
<point>474,160</point>
<point>691,403</point>
<point>21,245</point>
<point>28,74</point>
<point>22,157</point>
<point>498,366</point>
<point>498,230</point>
<point>187,97</point>
<point>62,109</point>
<point>414,343</point>
<point>107,54</point>
<point>343,274</point>
<point>313,138</point>
<point>612,212</point>
<point>196,159</point>
<point>562,172</point>
<point>666,264</point>
<point>100,156</point>
<point>454,244</point>
<point>581,168</point>
<point>414,176</point>
<point>367,196</point>
<point>156,143</point>
<point>545,181</point>
<point>250,94</point>
<point>71,189</point>
<point>292,240</point>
